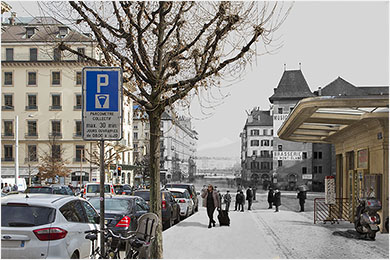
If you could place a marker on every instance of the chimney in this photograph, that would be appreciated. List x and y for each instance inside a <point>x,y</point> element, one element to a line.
<point>12,18</point>
<point>319,91</point>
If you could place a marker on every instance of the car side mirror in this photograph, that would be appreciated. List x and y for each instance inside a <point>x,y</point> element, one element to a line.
<point>97,219</point>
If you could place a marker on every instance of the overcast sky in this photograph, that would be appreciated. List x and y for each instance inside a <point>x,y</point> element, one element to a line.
<point>330,39</point>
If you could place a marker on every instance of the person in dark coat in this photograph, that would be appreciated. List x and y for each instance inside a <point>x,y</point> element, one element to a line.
<point>211,201</point>
<point>241,201</point>
<point>277,201</point>
<point>254,193</point>
<point>270,197</point>
<point>249,197</point>
<point>302,197</point>
<point>236,204</point>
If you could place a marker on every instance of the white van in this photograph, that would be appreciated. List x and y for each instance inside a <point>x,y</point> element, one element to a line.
<point>11,181</point>
<point>93,189</point>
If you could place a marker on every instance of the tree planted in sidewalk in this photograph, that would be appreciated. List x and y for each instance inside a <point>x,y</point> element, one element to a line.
<point>171,50</point>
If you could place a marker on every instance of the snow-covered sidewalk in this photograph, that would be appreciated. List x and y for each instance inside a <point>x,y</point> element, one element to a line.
<point>262,233</point>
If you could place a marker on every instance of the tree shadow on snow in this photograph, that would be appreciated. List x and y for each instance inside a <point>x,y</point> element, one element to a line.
<point>351,234</point>
<point>192,224</point>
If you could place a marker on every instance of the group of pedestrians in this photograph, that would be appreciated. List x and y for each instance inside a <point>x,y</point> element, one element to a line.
<point>274,198</point>
<point>8,188</point>
<point>240,199</point>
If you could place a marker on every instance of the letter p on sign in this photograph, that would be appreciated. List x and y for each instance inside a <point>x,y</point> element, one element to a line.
<point>100,83</point>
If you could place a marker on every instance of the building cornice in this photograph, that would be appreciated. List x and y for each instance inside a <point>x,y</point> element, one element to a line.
<point>9,64</point>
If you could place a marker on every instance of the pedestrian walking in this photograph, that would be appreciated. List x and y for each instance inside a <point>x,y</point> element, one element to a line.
<point>249,197</point>
<point>254,193</point>
<point>270,198</point>
<point>277,200</point>
<point>236,205</point>
<point>211,201</point>
<point>302,197</point>
<point>6,188</point>
<point>241,201</point>
<point>15,187</point>
<point>227,199</point>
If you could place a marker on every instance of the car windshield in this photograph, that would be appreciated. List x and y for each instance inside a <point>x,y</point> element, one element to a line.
<point>181,186</point>
<point>143,194</point>
<point>48,190</point>
<point>95,188</point>
<point>26,216</point>
<point>112,204</point>
<point>118,188</point>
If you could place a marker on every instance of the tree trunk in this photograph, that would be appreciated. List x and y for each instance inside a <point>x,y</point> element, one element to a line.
<point>154,170</point>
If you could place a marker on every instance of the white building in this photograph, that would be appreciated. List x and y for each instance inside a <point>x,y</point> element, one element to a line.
<point>41,86</point>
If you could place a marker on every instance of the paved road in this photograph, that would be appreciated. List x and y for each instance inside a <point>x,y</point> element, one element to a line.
<point>262,233</point>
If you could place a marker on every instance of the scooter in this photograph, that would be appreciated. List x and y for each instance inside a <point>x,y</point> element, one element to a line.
<point>367,219</point>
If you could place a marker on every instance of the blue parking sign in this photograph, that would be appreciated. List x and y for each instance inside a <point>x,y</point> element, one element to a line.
<point>102,103</point>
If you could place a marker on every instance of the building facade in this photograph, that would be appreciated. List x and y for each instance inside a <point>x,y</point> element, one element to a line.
<point>42,100</point>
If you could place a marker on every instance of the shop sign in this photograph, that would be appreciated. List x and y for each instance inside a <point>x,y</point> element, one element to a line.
<point>278,121</point>
<point>307,176</point>
<point>287,155</point>
<point>363,159</point>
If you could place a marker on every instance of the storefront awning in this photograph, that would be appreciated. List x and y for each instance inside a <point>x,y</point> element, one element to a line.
<point>317,119</point>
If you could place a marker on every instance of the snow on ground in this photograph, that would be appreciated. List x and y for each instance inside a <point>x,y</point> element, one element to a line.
<point>262,233</point>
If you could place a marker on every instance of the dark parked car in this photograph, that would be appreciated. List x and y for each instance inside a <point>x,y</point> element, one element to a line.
<point>191,190</point>
<point>124,189</point>
<point>121,213</point>
<point>53,189</point>
<point>170,209</point>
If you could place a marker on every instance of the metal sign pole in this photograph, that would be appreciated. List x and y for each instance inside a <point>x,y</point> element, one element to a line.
<point>102,179</point>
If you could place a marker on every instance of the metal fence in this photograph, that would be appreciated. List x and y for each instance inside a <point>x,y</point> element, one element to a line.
<point>341,211</point>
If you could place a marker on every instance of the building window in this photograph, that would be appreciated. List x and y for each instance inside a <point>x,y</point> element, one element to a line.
<point>319,169</point>
<point>78,78</point>
<point>320,155</point>
<point>315,169</point>
<point>272,142</point>
<point>32,79</point>
<point>8,102</point>
<point>255,165</point>
<point>272,132</point>
<point>55,101</point>
<point>33,54</point>
<point>255,142</point>
<point>9,54</point>
<point>280,163</point>
<point>280,147</point>
<point>264,154</point>
<point>57,54</point>
<point>135,127</point>
<point>304,170</point>
<point>78,101</point>
<point>56,78</point>
<point>8,128</point>
<point>8,78</point>
<point>317,155</point>
<point>265,165</point>
<point>32,128</point>
<point>8,153</point>
<point>56,151</point>
<point>135,135</point>
<point>304,155</point>
<point>264,142</point>
<point>280,110</point>
<point>55,128</point>
<point>265,132</point>
<point>254,152</point>
<point>30,32</point>
<point>31,102</point>
<point>255,132</point>
<point>82,51</point>
<point>291,109</point>
<point>32,153</point>
<point>78,128</point>
<point>80,153</point>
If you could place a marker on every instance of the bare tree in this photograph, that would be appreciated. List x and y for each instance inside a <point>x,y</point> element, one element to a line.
<point>52,162</point>
<point>172,50</point>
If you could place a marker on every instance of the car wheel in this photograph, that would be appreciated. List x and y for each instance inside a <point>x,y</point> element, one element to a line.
<point>75,255</point>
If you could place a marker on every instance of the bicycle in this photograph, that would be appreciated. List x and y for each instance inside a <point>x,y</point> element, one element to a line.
<point>110,252</point>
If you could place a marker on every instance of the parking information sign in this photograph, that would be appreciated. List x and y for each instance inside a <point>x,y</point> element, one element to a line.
<point>102,103</point>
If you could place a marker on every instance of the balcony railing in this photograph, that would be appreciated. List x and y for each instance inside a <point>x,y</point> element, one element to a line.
<point>55,107</point>
<point>7,159</point>
<point>9,108</point>
<point>55,134</point>
<point>31,135</point>
<point>31,107</point>
<point>77,107</point>
<point>75,160</point>
<point>7,135</point>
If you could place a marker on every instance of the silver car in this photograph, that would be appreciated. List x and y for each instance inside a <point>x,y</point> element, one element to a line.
<point>46,226</point>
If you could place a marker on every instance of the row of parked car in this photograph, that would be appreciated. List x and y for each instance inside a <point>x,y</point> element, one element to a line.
<point>36,225</point>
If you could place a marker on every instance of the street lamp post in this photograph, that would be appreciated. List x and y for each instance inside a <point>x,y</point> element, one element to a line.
<point>16,149</point>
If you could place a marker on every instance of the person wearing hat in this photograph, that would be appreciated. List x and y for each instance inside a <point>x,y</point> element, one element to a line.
<point>270,198</point>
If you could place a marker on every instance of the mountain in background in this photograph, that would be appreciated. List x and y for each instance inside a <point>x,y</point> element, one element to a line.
<point>231,150</point>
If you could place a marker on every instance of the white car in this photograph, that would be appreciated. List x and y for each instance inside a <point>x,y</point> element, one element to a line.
<point>183,198</point>
<point>46,226</point>
<point>93,189</point>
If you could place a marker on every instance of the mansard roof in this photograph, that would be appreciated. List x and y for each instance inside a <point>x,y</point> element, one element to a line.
<point>259,118</point>
<point>292,85</point>
<point>341,87</point>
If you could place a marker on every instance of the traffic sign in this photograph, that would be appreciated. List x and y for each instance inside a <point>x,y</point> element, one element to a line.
<point>102,103</point>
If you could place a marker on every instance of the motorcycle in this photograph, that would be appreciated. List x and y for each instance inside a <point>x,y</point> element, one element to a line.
<point>367,219</point>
